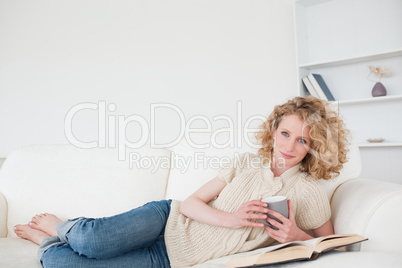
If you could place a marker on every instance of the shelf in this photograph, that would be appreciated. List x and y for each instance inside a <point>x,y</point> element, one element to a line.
<point>369,100</point>
<point>310,2</point>
<point>380,144</point>
<point>362,58</point>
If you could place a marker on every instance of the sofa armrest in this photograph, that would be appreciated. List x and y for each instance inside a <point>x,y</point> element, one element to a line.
<point>370,208</point>
<point>3,216</point>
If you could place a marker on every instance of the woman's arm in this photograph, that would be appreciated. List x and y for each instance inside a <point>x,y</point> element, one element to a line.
<point>195,207</point>
<point>323,230</point>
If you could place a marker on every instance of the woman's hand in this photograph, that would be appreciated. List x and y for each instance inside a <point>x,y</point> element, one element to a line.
<point>288,231</point>
<point>244,214</point>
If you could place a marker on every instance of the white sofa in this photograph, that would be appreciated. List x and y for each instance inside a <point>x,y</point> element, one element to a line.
<point>72,182</point>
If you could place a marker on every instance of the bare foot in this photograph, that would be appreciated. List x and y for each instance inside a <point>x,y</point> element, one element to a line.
<point>46,223</point>
<point>26,232</point>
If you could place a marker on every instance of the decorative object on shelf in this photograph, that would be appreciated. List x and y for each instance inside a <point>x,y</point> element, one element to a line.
<point>378,89</point>
<point>376,140</point>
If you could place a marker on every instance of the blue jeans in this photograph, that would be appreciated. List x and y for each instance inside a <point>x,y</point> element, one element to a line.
<point>132,239</point>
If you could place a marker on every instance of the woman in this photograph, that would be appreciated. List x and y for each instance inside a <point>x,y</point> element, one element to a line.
<point>302,141</point>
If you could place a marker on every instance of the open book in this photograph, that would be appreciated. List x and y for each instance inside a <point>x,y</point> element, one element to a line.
<point>296,250</point>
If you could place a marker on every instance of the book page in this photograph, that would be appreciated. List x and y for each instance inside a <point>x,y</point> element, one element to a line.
<point>289,253</point>
<point>308,243</point>
<point>312,242</point>
<point>285,254</point>
<point>256,254</point>
<point>293,243</point>
<point>335,241</point>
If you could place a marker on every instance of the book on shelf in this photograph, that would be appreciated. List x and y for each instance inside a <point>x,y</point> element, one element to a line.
<point>321,87</point>
<point>296,250</point>
<point>310,87</point>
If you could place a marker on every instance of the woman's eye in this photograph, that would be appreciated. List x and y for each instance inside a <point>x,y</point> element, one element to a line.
<point>303,141</point>
<point>285,134</point>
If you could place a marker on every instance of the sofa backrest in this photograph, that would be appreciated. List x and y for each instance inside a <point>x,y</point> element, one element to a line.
<point>184,180</point>
<point>73,182</point>
<point>192,167</point>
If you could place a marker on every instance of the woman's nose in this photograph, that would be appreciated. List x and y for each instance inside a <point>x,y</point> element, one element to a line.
<point>290,146</point>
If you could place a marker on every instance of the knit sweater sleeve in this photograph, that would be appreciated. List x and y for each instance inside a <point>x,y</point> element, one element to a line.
<point>234,167</point>
<point>315,209</point>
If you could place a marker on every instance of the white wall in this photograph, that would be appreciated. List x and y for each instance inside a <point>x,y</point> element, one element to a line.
<point>201,56</point>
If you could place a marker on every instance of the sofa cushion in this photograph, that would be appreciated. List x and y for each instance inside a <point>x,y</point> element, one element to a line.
<point>16,252</point>
<point>73,182</point>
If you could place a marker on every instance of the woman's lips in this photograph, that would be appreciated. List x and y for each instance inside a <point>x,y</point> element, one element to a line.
<point>287,156</point>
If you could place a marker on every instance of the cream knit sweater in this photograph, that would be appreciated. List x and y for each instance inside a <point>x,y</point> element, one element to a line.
<point>189,242</point>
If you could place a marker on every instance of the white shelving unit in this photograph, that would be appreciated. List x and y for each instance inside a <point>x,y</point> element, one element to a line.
<point>339,39</point>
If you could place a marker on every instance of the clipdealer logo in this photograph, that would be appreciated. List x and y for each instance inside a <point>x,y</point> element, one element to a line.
<point>112,129</point>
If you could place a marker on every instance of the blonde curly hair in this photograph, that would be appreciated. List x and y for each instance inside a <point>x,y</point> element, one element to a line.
<point>329,138</point>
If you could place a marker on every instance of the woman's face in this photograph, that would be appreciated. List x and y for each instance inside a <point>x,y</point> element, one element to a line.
<point>292,142</point>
